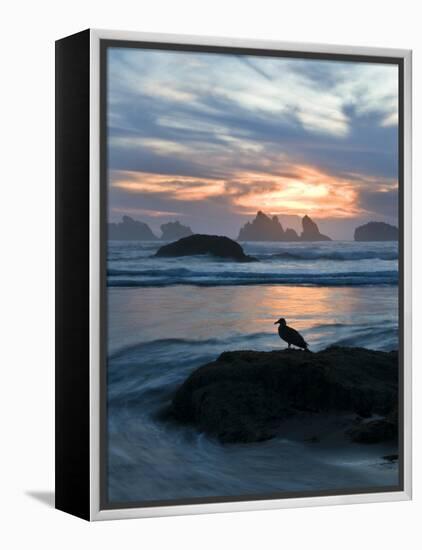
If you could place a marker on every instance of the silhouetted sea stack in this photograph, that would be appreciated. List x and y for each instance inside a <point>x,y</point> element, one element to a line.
<point>195,245</point>
<point>311,232</point>
<point>247,396</point>
<point>291,235</point>
<point>174,230</point>
<point>264,228</point>
<point>377,231</point>
<point>130,230</point>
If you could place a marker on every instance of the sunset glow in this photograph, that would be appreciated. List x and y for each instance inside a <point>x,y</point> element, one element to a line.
<point>253,274</point>
<point>215,138</point>
<point>305,189</point>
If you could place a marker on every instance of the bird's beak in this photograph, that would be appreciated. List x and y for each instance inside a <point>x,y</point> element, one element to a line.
<point>276,323</point>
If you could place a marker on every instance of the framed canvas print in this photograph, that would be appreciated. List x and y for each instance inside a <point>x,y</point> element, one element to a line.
<point>233,275</point>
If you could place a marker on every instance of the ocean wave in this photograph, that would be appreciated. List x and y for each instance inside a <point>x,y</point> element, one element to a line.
<point>350,255</point>
<point>333,251</point>
<point>183,276</point>
<point>160,344</point>
<point>297,255</point>
<point>176,272</point>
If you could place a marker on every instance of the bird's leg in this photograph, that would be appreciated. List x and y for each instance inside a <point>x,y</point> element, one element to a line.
<point>288,347</point>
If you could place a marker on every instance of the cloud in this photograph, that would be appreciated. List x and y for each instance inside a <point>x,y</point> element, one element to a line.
<point>144,212</point>
<point>173,187</point>
<point>301,188</point>
<point>236,133</point>
<point>382,204</point>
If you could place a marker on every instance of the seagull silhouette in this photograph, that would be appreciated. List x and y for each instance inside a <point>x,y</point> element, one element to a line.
<point>290,335</point>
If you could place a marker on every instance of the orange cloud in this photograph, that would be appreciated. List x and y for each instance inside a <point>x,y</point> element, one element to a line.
<point>182,188</point>
<point>145,212</point>
<point>304,189</point>
<point>298,189</point>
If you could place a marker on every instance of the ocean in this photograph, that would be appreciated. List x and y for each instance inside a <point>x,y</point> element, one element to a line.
<point>334,263</point>
<point>168,316</point>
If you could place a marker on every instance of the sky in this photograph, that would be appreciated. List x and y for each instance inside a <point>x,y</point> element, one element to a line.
<point>209,139</point>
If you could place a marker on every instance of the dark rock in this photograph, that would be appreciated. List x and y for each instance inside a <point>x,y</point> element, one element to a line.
<point>391,458</point>
<point>130,230</point>
<point>376,231</point>
<point>220,247</point>
<point>174,230</point>
<point>291,235</point>
<point>311,232</point>
<point>262,228</point>
<point>374,431</point>
<point>245,396</point>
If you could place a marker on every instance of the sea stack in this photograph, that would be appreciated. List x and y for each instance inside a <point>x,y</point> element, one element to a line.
<point>172,231</point>
<point>311,232</point>
<point>262,228</point>
<point>376,231</point>
<point>130,230</point>
<point>266,228</point>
